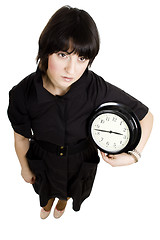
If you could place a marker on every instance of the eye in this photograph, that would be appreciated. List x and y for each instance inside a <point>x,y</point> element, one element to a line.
<point>62,55</point>
<point>82,59</point>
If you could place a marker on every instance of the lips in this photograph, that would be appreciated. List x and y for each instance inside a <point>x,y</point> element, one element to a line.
<point>67,79</point>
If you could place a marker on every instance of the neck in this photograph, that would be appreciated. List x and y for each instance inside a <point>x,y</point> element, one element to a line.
<point>52,88</point>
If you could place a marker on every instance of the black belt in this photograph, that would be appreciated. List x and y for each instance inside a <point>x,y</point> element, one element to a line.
<point>63,150</point>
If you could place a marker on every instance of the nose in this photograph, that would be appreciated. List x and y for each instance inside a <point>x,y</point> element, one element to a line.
<point>70,67</point>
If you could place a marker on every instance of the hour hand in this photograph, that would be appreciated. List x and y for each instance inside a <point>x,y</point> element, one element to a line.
<point>100,130</point>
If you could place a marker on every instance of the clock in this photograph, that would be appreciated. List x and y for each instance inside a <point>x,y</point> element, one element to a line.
<point>114,128</point>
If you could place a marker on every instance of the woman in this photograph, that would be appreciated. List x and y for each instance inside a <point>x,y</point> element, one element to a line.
<point>49,112</point>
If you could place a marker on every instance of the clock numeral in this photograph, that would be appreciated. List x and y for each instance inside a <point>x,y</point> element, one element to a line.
<point>101,139</point>
<point>102,121</point>
<point>107,119</point>
<point>125,129</point>
<point>114,119</point>
<point>97,133</point>
<point>97,126</point>
<point>114,145</point>
<point>121,123</point>
<point>107,144</point>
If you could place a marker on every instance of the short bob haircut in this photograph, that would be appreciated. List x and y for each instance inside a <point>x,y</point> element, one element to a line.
<point>68,28</point>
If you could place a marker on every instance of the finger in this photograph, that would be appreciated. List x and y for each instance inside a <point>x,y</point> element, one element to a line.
<point>111,156</point>
<point>105,157</point>
<point>33,180</point>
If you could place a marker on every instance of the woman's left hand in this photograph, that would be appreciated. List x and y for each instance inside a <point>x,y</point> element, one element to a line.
<point>122,159</point>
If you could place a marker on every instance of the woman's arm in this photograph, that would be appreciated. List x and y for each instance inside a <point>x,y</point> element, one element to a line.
<point>21,147</point>
<point>146,125</point>
<point>124,159</point>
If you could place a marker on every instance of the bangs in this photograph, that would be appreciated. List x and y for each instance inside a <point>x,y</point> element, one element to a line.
<point>77,46</point>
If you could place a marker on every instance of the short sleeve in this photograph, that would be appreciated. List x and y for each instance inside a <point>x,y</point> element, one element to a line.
<point>17,112</point>
<point>107,92</point>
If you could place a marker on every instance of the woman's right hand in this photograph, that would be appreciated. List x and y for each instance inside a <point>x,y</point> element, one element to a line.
<point>22,145</point>
<point>28,176</point>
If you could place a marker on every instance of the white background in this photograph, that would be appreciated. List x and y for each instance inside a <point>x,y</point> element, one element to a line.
<point>125,201</point>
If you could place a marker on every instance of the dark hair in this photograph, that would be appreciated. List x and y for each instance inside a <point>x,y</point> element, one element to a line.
<point>68,27</point>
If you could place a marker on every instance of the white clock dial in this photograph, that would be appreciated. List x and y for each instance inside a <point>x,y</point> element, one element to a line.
<point>110,132</point>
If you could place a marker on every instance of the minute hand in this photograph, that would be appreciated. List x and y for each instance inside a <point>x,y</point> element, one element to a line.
<point>108,131</point>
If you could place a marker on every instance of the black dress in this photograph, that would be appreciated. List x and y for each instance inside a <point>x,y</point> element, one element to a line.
<point>62,121</point>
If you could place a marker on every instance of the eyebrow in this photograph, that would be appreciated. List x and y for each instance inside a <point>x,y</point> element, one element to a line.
<point>67,51</point>
<point>70,52</point>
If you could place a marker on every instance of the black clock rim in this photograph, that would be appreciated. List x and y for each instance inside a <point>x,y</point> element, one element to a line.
<point>129,117</point>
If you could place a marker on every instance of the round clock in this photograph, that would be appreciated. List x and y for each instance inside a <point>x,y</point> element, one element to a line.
<point>114,128</point>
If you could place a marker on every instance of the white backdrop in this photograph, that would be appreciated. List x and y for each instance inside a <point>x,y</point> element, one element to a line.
<point>124,203</point>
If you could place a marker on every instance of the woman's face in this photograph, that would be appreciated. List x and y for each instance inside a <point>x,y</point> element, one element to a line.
<point>64,69</point>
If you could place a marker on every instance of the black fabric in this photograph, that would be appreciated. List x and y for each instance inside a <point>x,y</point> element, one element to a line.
<point>63,120</point>
<point>64,150</point>
<point>63,176</point>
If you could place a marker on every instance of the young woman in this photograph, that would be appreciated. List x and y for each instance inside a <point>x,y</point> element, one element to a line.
<point>50,108</point>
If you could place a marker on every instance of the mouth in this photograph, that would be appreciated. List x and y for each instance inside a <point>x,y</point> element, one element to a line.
<point>67,79</point>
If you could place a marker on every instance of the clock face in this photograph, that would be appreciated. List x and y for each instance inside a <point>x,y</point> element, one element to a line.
<point>110,132</point>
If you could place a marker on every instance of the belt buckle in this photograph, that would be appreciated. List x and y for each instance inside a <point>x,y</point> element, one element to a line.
<point>62,150</point>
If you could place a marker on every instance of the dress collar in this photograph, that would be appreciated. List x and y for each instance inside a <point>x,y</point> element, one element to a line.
<point>44,96</point>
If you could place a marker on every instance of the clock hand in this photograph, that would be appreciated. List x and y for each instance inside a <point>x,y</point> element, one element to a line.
<point>108,131</point>
<point>116,133</point>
